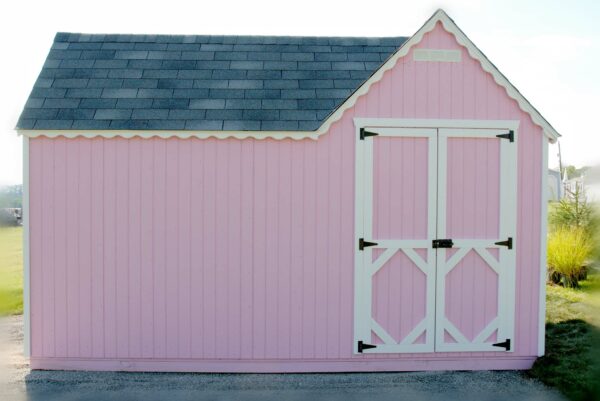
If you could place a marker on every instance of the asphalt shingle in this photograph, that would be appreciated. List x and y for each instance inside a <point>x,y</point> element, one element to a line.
<point>146,82</point>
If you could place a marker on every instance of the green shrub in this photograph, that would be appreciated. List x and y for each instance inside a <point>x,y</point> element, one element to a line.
<point>569,249</point>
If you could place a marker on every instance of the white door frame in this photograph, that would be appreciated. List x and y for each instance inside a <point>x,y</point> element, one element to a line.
<point>364,268</point>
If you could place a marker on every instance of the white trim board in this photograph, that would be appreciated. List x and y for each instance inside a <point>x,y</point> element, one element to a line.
<point>435,123</point>
<point>543,251</point>
<point>439,55</point>
<point>439,16</point>
<point>26,258</point>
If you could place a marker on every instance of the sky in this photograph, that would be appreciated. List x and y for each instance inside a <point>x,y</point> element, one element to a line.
<point>550,49</point>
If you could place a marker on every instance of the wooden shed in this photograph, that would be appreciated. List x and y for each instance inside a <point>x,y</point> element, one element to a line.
<point>282,204</point>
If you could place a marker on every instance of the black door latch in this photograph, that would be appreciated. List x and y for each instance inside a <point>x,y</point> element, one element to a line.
<point>442,243</point>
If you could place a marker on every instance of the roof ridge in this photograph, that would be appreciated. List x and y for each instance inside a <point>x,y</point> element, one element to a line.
<point>73,37</point>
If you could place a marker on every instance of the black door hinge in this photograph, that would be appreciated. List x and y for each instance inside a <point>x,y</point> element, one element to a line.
<point>504,344</point>
<point>363,346</point>
<point>362,244</point>
<point>507,243</point>
<point>364,133</point>
<point>442,243</point>
<point>510,136</point>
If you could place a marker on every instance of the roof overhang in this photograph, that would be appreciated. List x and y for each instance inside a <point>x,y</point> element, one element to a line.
<point>439,16</point>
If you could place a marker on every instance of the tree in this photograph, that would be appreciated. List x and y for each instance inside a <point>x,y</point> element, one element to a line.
<point>11,196</point>
<point>574,211</point>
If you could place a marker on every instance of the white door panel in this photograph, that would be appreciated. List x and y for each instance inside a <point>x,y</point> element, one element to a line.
<point>417,185</point>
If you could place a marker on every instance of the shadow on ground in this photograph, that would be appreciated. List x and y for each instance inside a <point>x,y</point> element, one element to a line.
<point>572,360</point>
<point>446,386</point>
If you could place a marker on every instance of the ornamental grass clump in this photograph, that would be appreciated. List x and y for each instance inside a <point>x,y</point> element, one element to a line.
<point>569,249</point>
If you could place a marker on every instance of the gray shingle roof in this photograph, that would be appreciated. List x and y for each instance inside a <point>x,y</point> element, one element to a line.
<point>199,82</point>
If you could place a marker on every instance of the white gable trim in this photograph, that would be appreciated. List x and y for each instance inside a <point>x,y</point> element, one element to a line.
<point>461,38</point>
<point>439,16</point>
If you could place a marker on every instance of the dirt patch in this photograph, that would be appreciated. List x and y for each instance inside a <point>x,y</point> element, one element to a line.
<point>13,366</point>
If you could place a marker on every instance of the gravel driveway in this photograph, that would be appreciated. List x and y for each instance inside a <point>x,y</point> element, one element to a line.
<point>18,382</point>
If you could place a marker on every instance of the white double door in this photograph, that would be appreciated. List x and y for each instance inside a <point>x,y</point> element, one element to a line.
<point>435,240</point>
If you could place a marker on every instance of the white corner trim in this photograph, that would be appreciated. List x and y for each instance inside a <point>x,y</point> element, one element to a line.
<point>26,260</point>
<point>438,16</point>
<point>543,251</point>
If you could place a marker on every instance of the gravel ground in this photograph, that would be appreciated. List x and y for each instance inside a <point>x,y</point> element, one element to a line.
<point>18,382</point>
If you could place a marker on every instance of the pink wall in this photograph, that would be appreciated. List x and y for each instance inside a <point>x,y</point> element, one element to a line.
<point>400,193</point>
<point>170,254</point>
<point>472,211</point>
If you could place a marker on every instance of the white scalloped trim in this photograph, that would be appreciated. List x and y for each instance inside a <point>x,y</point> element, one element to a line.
<point>296,135</point>
<point>439,16</point>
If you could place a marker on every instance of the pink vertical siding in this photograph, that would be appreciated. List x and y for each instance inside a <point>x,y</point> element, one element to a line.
<point>399,296</point>
<point>400,199</point>
<point>73,271</point>
<point>472,212</point>
<point>471,295</point>
<point>400,193</point>
<point>473,188</point>
<point>224,250</point>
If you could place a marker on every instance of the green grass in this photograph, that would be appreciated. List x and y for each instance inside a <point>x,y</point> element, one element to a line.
<point>11,271</point>
<point>572,360</point>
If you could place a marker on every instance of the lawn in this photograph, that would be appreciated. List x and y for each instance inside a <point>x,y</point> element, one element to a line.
<point>572,360</point>
<point>11,271</point>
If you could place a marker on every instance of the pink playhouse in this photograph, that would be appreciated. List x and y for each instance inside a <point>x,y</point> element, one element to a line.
<point>282,204</point>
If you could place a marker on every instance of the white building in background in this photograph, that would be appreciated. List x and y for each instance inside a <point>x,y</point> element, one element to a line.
<point>555,187</point>
<point>589,182</point>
